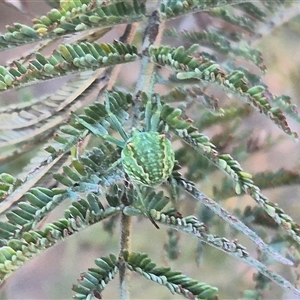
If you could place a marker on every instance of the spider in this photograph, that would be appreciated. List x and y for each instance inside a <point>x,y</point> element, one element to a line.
<point>147,156</point>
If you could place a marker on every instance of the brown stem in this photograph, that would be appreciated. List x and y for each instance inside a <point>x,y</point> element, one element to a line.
<point>124,275</point>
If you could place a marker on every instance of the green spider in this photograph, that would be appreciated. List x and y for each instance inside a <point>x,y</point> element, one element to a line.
<point>147,156</point>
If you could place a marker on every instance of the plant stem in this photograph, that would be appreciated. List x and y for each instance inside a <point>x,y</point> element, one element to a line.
<point>124,274</point>
<point>126,223</point>
<point>232,220</point>
<point>152,35</point>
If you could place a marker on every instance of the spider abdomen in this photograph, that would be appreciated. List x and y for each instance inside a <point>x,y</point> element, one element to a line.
<point>148,158</point>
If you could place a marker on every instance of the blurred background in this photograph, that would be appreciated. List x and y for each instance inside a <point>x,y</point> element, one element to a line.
<point>51,274</point>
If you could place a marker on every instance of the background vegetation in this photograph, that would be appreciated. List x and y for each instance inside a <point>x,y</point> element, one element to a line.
<point>251,138</point>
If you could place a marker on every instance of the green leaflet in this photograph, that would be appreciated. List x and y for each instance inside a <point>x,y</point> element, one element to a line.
<point>175,281</point>
<point>126,155</point>
<point>64,59</point>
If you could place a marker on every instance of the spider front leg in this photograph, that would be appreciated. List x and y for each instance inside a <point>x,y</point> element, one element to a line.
<point>104,135</point>
<point>174,191</point>
<point>140,196</point>
<point>152,119</point>
<point>114,121</point>
<point>99,133</point>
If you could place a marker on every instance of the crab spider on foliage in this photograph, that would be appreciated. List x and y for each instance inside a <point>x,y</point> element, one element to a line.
<point>147,156</point>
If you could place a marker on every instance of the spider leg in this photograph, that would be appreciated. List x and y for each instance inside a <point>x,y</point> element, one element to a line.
<point>107,137</point>
<point>144,206</point>
<point>114,121</point>
<point>113,165</point>
<point>98,133</point>
<point>152,119</point>
<point>174,191</point>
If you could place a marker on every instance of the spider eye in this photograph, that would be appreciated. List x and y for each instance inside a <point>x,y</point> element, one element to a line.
<point>148,158</point>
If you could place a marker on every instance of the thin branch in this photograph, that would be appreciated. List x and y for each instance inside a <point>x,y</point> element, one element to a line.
<point>238,251</point>
<point>126,221</point>
<point>278,20</point>
<point>153,35</point>
<point>127,38</point>
<point>230,219</point>
<point>126,229</point>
